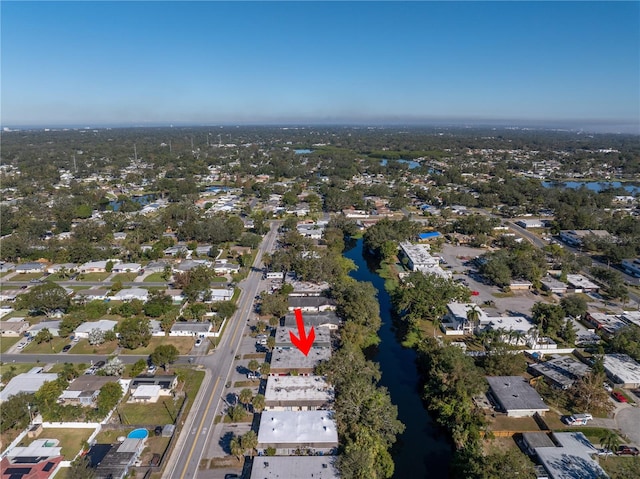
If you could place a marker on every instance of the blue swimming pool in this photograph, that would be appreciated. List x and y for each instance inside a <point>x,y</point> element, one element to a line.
<point>138,434</point>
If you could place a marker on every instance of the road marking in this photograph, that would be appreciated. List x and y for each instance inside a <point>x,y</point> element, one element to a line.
<point>204,416</point>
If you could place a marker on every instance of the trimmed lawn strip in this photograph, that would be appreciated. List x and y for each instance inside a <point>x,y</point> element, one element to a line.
<point>620,467</point>
<point>83,347</point>
<point>242,384</point>
<point>19,367</point>
<point>260,356</point>
<point>184,345</point>
<point>162,412</point>
<point>26,277</point>
<point>124,277</point>
<point>90,277</point>
<point>7,342</point>
<point>55,346</point>
<point>71,440</point>
<point>153,278</point>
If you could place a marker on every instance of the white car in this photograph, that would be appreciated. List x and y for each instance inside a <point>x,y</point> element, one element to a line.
<point>198,342</point>
<point>21,346</point>
<point>152,369</point>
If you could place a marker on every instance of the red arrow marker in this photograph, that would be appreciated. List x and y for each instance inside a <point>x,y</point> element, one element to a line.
<point>304,342</point>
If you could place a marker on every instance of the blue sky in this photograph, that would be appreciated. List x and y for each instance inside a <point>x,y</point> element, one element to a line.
<point>262,62</point>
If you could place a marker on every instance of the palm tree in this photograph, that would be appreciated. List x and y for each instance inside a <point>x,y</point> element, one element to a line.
<point>473,316</point>
<point>245,396</point>
<point>236,447</point>
<point>258,403</point>
<point>534,333</point>
<point>249,442</point>
<point>610,440</point>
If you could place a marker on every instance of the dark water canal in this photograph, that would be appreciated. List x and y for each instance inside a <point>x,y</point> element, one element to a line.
<point>422,451</point>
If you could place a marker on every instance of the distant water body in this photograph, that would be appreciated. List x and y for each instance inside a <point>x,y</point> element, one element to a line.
<point>302,152</point>
<point>412,164</point>
<point>593,185</point>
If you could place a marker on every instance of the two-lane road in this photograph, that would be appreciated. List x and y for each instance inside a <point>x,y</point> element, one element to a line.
<point>198,427</point>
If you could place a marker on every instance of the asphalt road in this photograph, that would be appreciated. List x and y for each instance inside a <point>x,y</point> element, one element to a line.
<point>198,426</point>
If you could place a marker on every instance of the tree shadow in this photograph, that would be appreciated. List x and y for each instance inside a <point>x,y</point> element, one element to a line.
<point>225,442</point>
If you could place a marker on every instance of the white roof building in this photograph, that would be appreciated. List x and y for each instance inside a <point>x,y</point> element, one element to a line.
<point>287,393</point>
<point>126,268</point>
<point>103,325</point>
<point>287,431</point>
<point>622,369</point>
<point>25,383</point>
<point>420,259</point>
<point>573,459</point>
<point>579,283</point>
<point>130,294</point>
<point>294,467</point>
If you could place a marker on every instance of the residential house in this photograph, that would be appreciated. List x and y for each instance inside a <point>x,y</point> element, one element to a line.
<point>550,283</point>
<point>289,431</point>
<point>52,326</point>
<point>294,467</point>
<point>312,304</point>
<point>560,371</point>
<point>131,294</point>
<point>224,267</point>
<point>325,319</point>
<point>420,259</point>
<point>95,266</point>
<point>28,382</point>
<point>221,294</point>
<point>84,390</point>
<point>283,337</point>
<point>190,328</point>
<point>167,383</point>
<point>33,267</point>
<point>580,284</point>
<point>456,322</point>
<point>530,223</point>
<point>286,361</point>
<point>515,396</point>
<point>38,460</point>
<point>573,458</point>
<point>116,463</point>
<point>127,268</point>
<point>576,237</point>
<point>632,266</point>
<point>56,268</point>
<point>86,295</point>
<point>622,370</point>
<point>103,325</point>
<point>298,393</point>
<point>10,295</point>
<point>13,328</point>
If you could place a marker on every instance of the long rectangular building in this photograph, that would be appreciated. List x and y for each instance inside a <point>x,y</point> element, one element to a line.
<point>292,432</point>
<point>298,393</point>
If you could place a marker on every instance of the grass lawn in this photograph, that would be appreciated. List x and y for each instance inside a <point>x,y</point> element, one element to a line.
<point>93,276</point>
<point>219,279</point>
<point>184,345</point>
<point>71,440</point>
<point>125,277</point>
<point>6,343</point>
<point>155,445</point>
<point>83,347</point>
<point>110,437</point>
<point>621,467</point>
<point>57,277</point>
<point>58,367</point>
<point>260,356</point>
<point>19,367</point>
<point>154,278</point>
<point>250,383</point>
<point>162,412</point>
<point>504,423</point>
<point>26,276</point>
<point>55,346</point>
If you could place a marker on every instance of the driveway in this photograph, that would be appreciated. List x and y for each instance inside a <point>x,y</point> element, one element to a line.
<point>628,420</point>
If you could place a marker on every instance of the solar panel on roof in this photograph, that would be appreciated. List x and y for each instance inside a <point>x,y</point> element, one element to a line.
<point>48,466</point>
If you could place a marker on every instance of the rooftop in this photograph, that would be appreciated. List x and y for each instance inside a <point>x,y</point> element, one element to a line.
<point>294,467</point>
<point>283,336</point>
<point>293,359</point>
<point>514,393</point>
<point>622,368</point>
<point>572,460</point>
<point>298,388</point>
<point>298,427</point>
<point>563,370</point>
<point>25,382</point>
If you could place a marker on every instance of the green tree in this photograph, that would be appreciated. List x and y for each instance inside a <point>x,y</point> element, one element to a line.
<point>548,317</point>
<point>45,299</point>
<point>249,442</point>
<point>258,403</point>
<point>81,469</point>
<point>265,369</point>
<point>108,397</point>
<point>236,448</point>
<point>574,305</point>
<point>134,333</point>
<point>164,354</point>
<point>114,367</point>
<point>588,395</point>
<point>253,365</point>
<point>44,335</point>
<point>137,368</point>
<point>610,440</point>
<point>245,397</point>
<point>237,413</point>
<point>14,413</point>
<point>627,341</point>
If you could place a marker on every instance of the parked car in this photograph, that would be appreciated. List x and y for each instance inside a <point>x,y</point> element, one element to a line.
<point>475,293</point>
<point>21,346</point>
<point>628,451</point>
<point>99,364</point>
<point>198,342</point>
<point>577,419</point>
<point>66,348</point>
<point>607,387</point>
<point>618,396</point>
<point>605,452</point>
<point>152,369</point>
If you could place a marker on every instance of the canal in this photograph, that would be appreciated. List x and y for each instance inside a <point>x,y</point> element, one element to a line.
<point>423,450</point>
